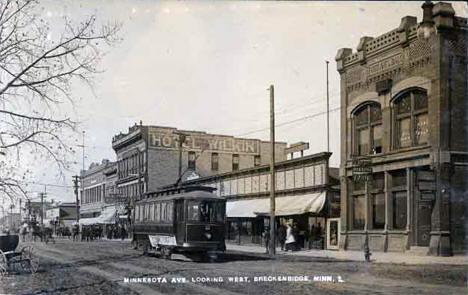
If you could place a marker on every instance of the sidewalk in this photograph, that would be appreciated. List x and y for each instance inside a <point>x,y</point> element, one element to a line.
<point>377,257</point>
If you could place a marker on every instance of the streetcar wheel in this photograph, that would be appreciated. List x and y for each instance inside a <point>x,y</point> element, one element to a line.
<point>3,264</point>
<point>29,260</point>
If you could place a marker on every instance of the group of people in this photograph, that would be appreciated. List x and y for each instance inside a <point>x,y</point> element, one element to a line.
<point>290,237</point>
<point>116,231</point>
<point>77,232</point>
<point>91,232</point>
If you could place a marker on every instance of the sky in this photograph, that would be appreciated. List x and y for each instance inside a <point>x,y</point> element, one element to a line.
<point>206,66</point>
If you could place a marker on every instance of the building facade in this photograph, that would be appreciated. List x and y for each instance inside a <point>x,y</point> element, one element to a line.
<point>96,185</point>
<point>63,214</point>
<point>307,193</point>
<point>148,156</point>
<point>404,136</point>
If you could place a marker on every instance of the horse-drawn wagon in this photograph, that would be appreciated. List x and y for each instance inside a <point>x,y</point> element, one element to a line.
<point>10,259</point>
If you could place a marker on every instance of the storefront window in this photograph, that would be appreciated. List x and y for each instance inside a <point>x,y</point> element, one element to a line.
<point>358,210</point>
<point>399,210</point>
<point>378,211</point>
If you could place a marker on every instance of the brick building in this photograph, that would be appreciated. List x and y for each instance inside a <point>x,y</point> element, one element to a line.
<point>148,156</point>
<point>97,183</point>
<point>404,136</point>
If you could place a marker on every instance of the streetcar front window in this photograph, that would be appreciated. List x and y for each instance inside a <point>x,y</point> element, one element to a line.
<point>206,211</point>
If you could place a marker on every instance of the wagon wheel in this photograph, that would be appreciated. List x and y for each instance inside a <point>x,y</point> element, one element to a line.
<point>3,264</point>
<point>29,260</point>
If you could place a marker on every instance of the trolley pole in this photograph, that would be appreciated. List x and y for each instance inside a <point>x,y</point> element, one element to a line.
<point>75,186</point>
<point>272,245</point>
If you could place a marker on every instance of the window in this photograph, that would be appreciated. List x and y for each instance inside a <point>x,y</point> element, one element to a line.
<point>191,160</point>
<point>157,212</point>
<point>192,211</point>
<point>257,161</point>
<point>399,210</point>
<point>163,211</point>
<point>368,129</point>
<point>137,213</point>
<point>235,162</point>
<point>214,161</point>
<point>411,120</point>
<point>358,212</point>
<point>378,211</point>
<point>168,212</point>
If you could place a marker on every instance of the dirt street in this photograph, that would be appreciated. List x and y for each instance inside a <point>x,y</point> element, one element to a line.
<point>113,267</point>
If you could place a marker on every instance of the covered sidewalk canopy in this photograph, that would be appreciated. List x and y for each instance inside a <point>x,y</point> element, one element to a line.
<point>107,217</point>
<point>288,205</point>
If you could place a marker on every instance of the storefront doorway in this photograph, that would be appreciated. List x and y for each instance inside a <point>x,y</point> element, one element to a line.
<point>333,233</point>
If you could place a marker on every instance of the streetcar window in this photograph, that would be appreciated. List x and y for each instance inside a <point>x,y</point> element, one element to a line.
<point>151,213</point>
<point>192,211</point>
<point>220,211</point>
<point>169,212</point>
<point>137,216</point>
<point>179,211</point>
<point>163,211</point>
<point>206,211</point>
<point>157,213</point>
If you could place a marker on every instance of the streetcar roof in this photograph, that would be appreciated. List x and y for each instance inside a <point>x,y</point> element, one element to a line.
<point>191,195</point>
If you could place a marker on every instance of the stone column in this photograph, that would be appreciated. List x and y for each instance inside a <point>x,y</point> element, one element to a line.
<point>409,199</point>
<point>440,223</point>
<point>344,214</point>
<point>388,207</point>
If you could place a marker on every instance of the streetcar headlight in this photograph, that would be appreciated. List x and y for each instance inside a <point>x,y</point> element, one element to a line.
<point>208,236</point>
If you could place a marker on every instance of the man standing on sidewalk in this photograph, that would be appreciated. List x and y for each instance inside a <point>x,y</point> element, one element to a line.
<point>282,235</point>
<point>266,238</point>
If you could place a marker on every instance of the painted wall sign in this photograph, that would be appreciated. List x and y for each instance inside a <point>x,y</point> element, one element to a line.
<point>167,140</point>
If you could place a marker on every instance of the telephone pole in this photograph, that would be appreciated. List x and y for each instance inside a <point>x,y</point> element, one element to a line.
<point>328,114</point>
<point>272,245</point>
<point>75,186</point>
<point>42,209</point>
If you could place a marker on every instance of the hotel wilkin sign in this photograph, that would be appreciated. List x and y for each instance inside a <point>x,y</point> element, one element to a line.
<point>206,142</point>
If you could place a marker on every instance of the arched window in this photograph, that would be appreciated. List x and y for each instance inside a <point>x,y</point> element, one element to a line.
<point>410,119</point>
<point>368,129</point>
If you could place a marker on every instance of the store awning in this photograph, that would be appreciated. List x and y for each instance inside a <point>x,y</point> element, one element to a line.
<point>289,205</point>
<point>107,217</point>
<point>246,208</point>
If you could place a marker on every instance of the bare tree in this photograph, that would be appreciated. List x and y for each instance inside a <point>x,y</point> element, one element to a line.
<point>37,72</point>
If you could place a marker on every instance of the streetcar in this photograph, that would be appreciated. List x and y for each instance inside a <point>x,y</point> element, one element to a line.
<point>186,220</point>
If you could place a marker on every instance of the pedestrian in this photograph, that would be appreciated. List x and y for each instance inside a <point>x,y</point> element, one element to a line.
<point>282,235</point>
<point>76,231</point>
<point>290,241</point>
<point>266,239</point>
<point>295,233</point>
<point>24,231</point>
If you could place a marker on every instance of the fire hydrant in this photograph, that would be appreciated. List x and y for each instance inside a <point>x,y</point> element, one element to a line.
<point>367,253</point>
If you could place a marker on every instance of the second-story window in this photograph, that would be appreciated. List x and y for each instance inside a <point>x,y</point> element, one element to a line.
<point>368,129</point>
<point>235,162</point>
<point>191,160</point>
<point>214,161</point>
<point>410,119</point>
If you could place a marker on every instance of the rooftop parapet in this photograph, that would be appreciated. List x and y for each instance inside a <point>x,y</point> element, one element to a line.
<point>438,16</point>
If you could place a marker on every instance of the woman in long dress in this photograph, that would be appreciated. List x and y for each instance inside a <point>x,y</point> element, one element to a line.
<point>290,240</point>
